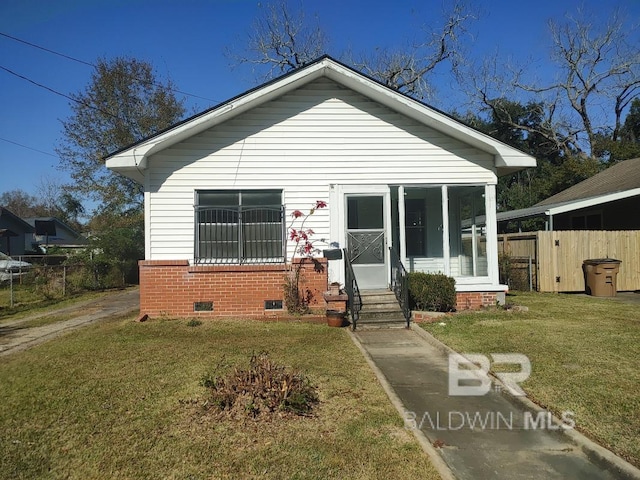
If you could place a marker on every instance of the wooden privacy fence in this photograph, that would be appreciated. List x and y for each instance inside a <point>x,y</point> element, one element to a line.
<point>557,256</point>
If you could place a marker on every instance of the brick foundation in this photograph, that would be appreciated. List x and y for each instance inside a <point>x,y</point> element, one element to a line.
<point>475,300</point>
<point>172,287</point>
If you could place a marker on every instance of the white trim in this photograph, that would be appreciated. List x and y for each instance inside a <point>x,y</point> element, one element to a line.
<point>385,191</point>
<point>132,161</point>
<point>336,220</point>
<point>589,202</point>
<point>481,287</point>
<point>446,249</point>
<point>402,225</point>
<point>564,207</point>
<point>492,233</point>
<point>147,220</point>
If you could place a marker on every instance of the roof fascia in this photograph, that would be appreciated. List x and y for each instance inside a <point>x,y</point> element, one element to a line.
<point>137,156</point>
<point>564,207</point>
<point>590,202</point>
<point>507,158</point>
<point>131,162</point>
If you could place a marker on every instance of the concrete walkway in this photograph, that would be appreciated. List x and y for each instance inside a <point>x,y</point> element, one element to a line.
<point>478,437</point>
<point>15,337</point>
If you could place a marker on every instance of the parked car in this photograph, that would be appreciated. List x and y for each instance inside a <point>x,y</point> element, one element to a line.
<point>11,268</point>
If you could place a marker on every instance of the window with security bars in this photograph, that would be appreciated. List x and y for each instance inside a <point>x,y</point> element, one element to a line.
<point>239,226</point>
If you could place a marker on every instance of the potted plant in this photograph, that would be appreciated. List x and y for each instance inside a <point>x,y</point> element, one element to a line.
<point>336,318</point>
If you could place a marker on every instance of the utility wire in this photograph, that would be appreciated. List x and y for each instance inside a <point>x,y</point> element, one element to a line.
<point>59,93</point>
<point>30,148</point>
<point>47,50</point>
<point>94,66</point>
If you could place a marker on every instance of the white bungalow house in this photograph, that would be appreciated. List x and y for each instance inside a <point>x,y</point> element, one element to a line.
<point>397,175</point>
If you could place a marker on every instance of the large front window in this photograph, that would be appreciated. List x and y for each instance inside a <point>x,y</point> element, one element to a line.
<point>239,226</point>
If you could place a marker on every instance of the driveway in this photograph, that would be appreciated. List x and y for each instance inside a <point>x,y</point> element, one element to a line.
<point>16,335</point>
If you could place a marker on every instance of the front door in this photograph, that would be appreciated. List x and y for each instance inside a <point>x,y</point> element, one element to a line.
<point>366,241</point>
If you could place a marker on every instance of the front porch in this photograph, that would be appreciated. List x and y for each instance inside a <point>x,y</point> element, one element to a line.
<point>448,229</point>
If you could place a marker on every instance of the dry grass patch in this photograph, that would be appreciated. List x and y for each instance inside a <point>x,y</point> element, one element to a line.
<point>124,400</point>
<point>584,353</point>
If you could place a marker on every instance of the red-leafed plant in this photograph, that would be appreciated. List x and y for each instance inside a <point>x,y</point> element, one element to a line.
<point>297,300</point>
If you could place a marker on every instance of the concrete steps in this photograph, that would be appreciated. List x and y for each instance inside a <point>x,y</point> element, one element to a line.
<point>380,309</point>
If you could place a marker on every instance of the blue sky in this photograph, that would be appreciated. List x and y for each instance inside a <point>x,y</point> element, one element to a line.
<point>185,41</point>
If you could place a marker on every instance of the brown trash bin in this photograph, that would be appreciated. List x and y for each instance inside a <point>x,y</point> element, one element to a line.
<point>600,276</point>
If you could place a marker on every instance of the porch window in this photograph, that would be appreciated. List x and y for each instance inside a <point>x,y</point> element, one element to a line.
<point>239,226</point>
<point>467,231</point>
<point>423,224</point>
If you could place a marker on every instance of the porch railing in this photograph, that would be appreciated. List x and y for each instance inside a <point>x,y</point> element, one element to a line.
<point>353,292</point>
<point>400,285</point>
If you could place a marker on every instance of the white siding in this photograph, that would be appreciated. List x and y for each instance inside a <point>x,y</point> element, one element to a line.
<point>318,135</point>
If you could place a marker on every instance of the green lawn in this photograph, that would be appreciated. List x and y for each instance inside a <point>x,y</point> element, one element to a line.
<point>120,400</point>
<point>585,357</point>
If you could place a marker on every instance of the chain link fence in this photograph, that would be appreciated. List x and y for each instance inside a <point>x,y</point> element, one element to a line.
<point>55,277</point>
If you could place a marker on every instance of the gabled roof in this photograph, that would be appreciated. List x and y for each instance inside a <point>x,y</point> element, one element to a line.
<point>622,176</point>
<point>4,212</point>
<point>133,160</point>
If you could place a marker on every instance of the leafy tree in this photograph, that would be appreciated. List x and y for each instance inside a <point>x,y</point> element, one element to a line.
<point>49,202</point>
<point>123,103</point>
<point>20,203</point>
<point>627,145</point>
<point>521,126</point>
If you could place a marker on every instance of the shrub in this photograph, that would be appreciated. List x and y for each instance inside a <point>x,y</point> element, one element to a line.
<point>432,291</point>
<point>194,322</point>
<point>263,388</point>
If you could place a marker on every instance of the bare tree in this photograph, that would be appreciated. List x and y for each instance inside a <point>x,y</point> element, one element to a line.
<point>597,78</point>
<point>407,71</point>
<point>281,41</point>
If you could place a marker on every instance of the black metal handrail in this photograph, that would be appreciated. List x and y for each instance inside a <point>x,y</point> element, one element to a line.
<point>400,285</point>
<point>351,287</point>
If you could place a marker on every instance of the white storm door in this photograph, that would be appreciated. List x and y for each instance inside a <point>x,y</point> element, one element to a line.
<point>366,239</point>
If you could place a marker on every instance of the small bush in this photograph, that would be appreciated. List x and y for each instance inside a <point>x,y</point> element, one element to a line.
<point>263,388</point>
<point>194,322</point>
<point>432,291</point>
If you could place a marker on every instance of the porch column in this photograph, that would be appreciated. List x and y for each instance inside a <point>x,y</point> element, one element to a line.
<point>401,226</point>
<point>446,251</point>
<point>492,233</point>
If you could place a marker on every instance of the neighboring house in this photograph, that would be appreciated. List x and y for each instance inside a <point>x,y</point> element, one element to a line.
<point>15,233</point>
<point>609,200</point>
<point>220,188</point>
<point>50,232</point>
